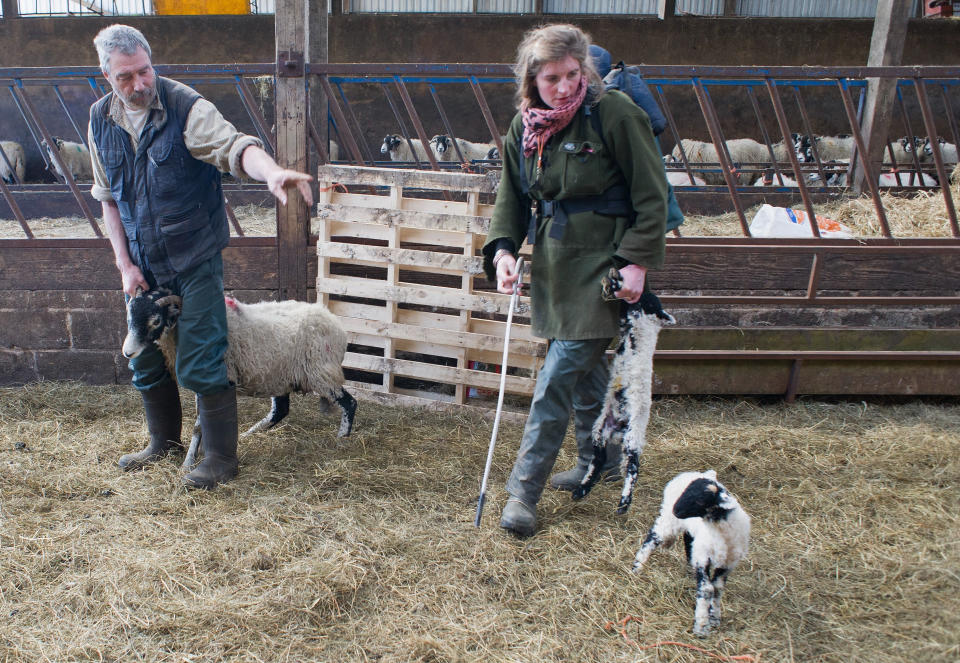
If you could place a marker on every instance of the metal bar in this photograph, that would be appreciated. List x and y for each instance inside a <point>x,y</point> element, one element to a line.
<point>417,125</point>
<point>487,115</point>
<point>232,217</point>
<point>55,153</point>
<point>400,123</point>
<point>63,103</point>
<point>317,143</point>
<point>673,129</point>
<point>8,196</point>
<point>38,141</point>
<point>356,123</point>
<point>446,123</point>
<point>951,118</point>
<point>95,88</point>
<point>791,394</point>
<point>792,154</point>
<point>808,129</point>
<point>343,130</point>
<point>942,175</point>
<point>766,136</point>
<point>910,134</point>
<point>713,125</point>
<point>259,122</point>
<point>814,277</point>
<point>871,177</point>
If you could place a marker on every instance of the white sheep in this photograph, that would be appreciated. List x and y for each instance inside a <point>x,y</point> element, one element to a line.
<point>443,148</point>
<point>273,349</point>
<point>948,152</point>
<point>399,150</point>
<point>626,406</point>
<point>716,537</point>
<point>75,157</point>
<point>15,156</point>
<point>742,151</point>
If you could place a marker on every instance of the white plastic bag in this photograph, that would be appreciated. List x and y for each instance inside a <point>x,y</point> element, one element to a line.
<point>773,221</point>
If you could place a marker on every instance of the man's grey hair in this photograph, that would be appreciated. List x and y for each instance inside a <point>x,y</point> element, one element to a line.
<point>121,38</point>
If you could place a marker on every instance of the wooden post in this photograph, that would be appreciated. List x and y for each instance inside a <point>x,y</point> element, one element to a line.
<point>886,49</point>
<point>319,54</point>
<point>666,9</point>
<point>293,219</point>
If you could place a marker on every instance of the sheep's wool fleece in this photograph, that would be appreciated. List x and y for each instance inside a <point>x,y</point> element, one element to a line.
<point>724,543</point>
<point>279,347</point>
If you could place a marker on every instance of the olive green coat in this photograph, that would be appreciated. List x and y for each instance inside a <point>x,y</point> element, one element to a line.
<point>566,273</point>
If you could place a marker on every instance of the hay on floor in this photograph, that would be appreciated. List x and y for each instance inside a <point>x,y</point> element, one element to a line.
<point>364,549</point>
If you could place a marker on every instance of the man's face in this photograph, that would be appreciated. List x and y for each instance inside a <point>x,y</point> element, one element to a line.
<point>132,78</point>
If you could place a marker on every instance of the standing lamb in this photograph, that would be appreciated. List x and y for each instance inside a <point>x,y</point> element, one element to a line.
<point>716,537</point>
<point>12,157</point>
<point>75,157</point>
<point>626,407</point>
<point>399,150</point>
<point>274,348</point>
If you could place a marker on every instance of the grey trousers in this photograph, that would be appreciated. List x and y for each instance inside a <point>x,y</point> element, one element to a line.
<point>573,378</point>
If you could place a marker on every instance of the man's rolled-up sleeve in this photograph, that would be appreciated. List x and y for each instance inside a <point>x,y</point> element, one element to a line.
<point>212,139</point>
<point>101,185</point>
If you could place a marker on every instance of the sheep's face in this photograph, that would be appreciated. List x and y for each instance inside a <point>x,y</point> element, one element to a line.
<point>703,498</point>
<point>803,147</point>
<point>149,314</point>
<point>390,144</point>
<point>443,143</point>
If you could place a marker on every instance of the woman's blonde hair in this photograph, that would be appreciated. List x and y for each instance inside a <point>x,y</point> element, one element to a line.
<point>550,43</point>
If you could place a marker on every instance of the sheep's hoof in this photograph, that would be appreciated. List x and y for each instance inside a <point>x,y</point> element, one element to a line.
<point>624,505</point>
<point>701,631</point>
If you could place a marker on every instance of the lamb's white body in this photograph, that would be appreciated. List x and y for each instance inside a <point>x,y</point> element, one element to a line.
<point>15,155</point>
<point>626,407</point>
<point>716,533</point>
<point>742,150</point>
<point>75,157</point>
<point>398,149</point>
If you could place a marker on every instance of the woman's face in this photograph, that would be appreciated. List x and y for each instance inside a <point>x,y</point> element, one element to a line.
<point>558,81</point>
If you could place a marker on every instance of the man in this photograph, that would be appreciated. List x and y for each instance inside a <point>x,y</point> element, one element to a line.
<point>158,149</point>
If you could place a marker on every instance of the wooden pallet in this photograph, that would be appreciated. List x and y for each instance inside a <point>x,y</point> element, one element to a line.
<point>399,263</point>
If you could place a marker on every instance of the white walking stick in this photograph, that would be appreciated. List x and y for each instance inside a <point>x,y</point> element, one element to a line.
<point>503,382</point>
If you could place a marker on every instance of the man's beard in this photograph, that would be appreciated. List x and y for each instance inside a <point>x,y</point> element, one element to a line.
<point>141,99</point>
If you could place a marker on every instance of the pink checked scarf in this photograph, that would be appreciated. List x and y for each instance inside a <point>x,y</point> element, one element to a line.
<point>541,123</point>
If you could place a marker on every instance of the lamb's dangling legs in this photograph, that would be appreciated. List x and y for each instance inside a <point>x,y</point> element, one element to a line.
<point>196,439</point>
<point>348,405</point>
<point>607,430</point>
<point>629,478</point>
<point>279,408</point>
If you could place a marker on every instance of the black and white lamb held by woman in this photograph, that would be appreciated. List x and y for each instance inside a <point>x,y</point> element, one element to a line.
<point>273,349</point>
<point>626,407</point>
<point>716,537</point>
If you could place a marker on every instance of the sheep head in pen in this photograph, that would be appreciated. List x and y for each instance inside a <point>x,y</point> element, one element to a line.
<point>626,407</point>
<point>273,349</point>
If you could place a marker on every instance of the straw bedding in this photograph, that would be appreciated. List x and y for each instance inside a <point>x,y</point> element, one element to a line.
<point>365,550</point>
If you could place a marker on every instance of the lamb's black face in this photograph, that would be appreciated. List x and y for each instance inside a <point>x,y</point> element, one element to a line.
<point>148,315</point>
<point>701,499</point>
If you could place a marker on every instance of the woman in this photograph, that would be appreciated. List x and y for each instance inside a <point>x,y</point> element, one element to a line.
<point>588,163</point>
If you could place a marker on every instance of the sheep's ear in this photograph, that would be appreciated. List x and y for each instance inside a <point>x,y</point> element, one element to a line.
<point>711,474</point>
